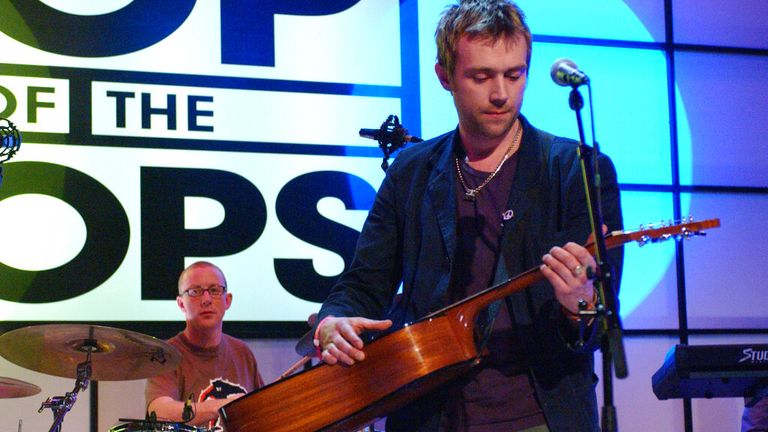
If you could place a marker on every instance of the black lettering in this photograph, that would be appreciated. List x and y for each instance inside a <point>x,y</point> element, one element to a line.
<point>193,113</point>
<point>105,246</point>
<point>120,98</point>
<point>248,26</point>
<point>140,24</point>
<point>147,111</point>
<point>10,102</point>
<point>296,208</point>
<point>164,240</point>
<point>33,103</point>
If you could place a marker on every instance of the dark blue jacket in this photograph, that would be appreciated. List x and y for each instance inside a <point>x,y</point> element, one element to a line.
<point>410,237</point>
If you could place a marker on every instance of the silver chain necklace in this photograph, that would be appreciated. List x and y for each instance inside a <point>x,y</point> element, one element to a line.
<point>470,194</point>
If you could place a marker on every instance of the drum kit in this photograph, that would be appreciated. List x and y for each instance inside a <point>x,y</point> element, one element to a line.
<point>87,352</point>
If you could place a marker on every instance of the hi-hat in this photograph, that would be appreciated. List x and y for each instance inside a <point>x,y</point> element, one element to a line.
<point>116,354</point>
<point>13,388</point>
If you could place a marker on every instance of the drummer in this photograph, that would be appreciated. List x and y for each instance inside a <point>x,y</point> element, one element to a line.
<point>215,368</point>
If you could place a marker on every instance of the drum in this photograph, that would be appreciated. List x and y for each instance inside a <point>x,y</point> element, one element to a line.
<point>152,426</point>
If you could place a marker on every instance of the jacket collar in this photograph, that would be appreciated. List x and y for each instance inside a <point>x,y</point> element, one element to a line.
<point>441,189</point>
<point>528,173</point>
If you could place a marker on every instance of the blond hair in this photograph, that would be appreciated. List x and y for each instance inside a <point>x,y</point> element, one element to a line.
<point>492,19</point>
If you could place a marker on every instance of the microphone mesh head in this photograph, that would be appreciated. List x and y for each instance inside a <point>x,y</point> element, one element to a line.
<point>556,72</point>
<point>10,140</point>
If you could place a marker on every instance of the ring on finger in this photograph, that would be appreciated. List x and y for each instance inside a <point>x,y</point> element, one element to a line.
<point>578,270</point>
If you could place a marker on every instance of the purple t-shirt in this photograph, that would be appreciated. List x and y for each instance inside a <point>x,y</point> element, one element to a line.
<point>498,396</point>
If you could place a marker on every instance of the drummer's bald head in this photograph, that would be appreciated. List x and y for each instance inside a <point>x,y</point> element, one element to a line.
<point>196,265</point>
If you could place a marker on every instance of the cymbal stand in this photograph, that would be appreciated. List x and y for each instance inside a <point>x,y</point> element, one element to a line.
<point>60,405</point>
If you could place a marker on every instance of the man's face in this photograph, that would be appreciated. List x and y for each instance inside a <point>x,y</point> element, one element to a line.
<point>487,83</point>
<point>206,311</point>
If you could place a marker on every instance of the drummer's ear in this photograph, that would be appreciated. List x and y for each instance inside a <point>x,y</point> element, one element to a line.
<point>180,303</point>
<point>228,300</point>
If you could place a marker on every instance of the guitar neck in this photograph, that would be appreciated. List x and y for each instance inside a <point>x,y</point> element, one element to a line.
<point>472,305</point>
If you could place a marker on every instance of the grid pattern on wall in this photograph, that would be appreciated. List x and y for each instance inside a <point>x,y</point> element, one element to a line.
<point>710,164</point>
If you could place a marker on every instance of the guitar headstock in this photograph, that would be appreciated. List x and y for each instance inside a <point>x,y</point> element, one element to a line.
<point>656,233</point>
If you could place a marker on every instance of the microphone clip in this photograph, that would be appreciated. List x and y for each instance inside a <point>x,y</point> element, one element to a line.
<point>391,138</point>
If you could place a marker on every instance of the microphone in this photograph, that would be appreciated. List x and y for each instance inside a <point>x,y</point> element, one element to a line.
<point>391,136</point>
<point>397,135</point>
<point>10,139</point>
<point>186,414</point>
<point>564,72</point>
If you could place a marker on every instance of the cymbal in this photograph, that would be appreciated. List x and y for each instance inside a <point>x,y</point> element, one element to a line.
<point>13,388</point>
<point>116,354</point>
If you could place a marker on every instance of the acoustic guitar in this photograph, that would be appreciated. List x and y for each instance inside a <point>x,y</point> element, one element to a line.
<point>400,366</point>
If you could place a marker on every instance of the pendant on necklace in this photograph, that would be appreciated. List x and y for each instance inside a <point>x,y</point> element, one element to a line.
<point>470,194</point>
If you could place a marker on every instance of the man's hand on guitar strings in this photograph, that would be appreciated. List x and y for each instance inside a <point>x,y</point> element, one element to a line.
<point>566,269</point>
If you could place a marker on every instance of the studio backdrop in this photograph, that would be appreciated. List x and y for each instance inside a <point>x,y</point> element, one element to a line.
<point>157,133</point>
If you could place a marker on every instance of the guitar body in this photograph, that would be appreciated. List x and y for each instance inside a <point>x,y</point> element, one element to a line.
<point>401,366</point>
<point>398,368</point>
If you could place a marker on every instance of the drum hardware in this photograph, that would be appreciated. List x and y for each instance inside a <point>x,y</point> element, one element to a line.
<point>60,405</point>
<point>110,355</point>
<point>152,425</point>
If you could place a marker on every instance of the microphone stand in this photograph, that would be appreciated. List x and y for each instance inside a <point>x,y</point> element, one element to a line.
<point>611,344</point>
